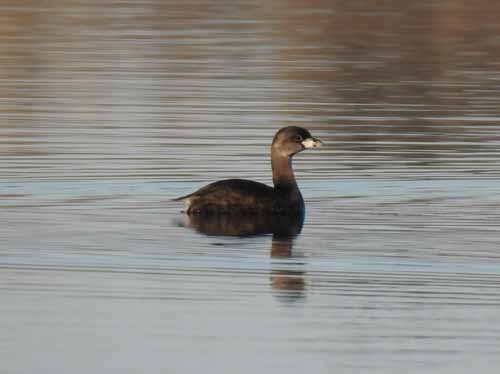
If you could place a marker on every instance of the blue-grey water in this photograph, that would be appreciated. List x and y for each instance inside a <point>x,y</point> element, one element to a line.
<point>108,110</point>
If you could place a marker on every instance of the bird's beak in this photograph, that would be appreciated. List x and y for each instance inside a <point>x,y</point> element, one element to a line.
<point>312,143</point>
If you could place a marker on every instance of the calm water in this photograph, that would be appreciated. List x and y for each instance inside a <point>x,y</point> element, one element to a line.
<point>109,111</point>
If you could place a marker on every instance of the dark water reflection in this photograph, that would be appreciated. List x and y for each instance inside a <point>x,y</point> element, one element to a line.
<point>280,226</point>
<point>290,284</point>
<point>110,109</point>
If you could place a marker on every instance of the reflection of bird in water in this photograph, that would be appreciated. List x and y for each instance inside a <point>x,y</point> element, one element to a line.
<point>289,284</point>
<point>211,224</point>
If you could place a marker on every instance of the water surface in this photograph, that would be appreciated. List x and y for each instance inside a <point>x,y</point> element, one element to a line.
<point>108,111</point>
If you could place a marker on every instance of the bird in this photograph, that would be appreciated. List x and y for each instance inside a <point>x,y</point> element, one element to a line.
<point>242,196</point>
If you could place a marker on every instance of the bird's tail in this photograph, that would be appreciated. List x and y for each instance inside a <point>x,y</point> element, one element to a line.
<point>182,197</point>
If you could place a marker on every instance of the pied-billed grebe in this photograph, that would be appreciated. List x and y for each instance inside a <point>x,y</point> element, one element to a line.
<point>241,196</point>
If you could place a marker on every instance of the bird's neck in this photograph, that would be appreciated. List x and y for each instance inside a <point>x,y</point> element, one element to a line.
<point>283,177</point>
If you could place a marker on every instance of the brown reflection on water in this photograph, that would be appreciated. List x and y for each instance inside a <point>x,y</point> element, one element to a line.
<point>281,226</point>
<point>416,52</point>
<point>289,283</point>
<point>411,83</point>
<point>436,54</point>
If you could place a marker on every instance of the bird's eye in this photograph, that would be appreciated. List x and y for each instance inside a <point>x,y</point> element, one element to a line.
<point>298,138</point>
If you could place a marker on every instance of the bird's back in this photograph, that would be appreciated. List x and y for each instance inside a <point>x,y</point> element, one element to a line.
<point>231,196</point>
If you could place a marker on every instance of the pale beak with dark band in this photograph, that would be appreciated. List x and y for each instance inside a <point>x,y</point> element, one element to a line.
<point>312,143</point>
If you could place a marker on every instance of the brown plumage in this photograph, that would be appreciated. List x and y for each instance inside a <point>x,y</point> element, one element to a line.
<point>241,196</point>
